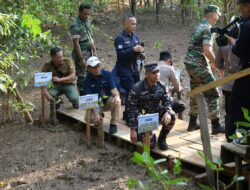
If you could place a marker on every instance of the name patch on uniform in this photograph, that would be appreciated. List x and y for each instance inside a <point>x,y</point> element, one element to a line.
<point>148,122</point>
<point>120,46</point>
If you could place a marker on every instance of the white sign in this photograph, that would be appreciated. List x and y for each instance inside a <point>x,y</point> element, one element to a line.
<point>148,122</point>
<point>42,79</point>
<point>88,102</point>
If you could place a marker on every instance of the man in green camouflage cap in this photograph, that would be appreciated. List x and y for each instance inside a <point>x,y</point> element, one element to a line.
<point>198,61</point>
<point>82,36</point>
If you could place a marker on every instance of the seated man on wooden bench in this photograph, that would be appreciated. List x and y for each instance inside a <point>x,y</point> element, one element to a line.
<point>150,96</point>
<point>99,81</point>
<point>168,75</point>
<point>63,79</point>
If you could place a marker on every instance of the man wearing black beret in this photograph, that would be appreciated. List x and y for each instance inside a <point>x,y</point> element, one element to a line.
<point>150,96</point>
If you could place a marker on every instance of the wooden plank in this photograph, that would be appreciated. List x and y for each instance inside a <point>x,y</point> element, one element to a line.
<point>218,82</point>
<point>180,145</point>
<point>88,130</point>
<point>215,151</point>
<point>216,141</point>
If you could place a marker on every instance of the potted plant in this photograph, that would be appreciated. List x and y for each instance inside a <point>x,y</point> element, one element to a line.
<point>244,132</point>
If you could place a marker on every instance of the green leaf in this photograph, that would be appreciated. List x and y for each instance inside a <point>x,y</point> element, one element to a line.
<point>132,183</point>
<point>146,149</point>
<point>177,181</point>
<point>219,163</point>
<point>246,114</point>
<point>240,178</point>
<point>160,161</point>
<point>234,136</point>
<point>164,172</point>
<point>36,22</point>
<point>208,162</point>
<point>148,159</point>
<point>242,123</point>
<point>211,165</point>
<point>138,159</point>
<point>242,131</point>
<point>3,88</point>
<point>205,187</point>
<point>177,167</point>
<point>140,184</point>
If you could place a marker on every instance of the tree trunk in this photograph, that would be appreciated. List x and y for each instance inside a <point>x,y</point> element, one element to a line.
<point>133,7</point>
<point>157,6</point>
<point>225,9</point>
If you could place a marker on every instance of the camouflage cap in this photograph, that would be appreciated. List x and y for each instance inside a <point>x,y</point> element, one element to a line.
<point>212,9</point>
<point>151,67</point>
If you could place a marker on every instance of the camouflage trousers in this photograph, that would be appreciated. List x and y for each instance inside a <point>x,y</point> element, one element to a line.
<point>80,71</point>
<point>201,75</point>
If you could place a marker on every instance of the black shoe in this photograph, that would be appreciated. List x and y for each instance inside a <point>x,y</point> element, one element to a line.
<point>112,129</point>
<point>178,106</point>
<point>192,125</point>
<point>75,106</point>
<point>163,145</point>
<point>162,139</point>
<point>216,127</point>
<point>153,141</point>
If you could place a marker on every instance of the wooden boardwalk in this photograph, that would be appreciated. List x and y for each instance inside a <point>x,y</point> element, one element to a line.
<point>182,144</point>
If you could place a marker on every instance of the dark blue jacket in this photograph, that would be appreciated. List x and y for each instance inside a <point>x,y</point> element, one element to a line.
<point>101,86</point>
<point>242,45</point>
<point>126,58</point>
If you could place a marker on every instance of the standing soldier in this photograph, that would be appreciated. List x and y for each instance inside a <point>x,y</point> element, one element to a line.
<point>150,96</point>
<point>128,48</point>
<point>82,36</point>
<point>199,69</point>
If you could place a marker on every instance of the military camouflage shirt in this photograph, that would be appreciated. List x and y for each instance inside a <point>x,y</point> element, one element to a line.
<point>201,36</point>
<point>64,70</point>
<point>82,30</point>
<point>144,99</point>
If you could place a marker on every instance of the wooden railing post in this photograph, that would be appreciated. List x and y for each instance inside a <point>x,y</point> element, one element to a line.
<point>205,137</point>
<point>88,136</point>
<point>146,139</point>
<point>100,133</point>
<point>42,108</point>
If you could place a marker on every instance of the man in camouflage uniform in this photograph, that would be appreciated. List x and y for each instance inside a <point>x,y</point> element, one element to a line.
<point>150,96</point>
<point>63,78</point>
<point>82,36</point>
<point>197,59</point>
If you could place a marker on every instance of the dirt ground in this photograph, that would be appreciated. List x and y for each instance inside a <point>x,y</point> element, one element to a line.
<point>34,158</point>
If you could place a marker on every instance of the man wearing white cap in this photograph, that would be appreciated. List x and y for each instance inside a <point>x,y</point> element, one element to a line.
<point>99,81</point>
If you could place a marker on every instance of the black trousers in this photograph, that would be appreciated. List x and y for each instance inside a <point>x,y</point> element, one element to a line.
<point>240,98</point>
<point>127,83</point>
<point>227,97</point>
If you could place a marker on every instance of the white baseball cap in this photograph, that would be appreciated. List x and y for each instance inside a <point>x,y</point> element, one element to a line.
<point>93,61</point>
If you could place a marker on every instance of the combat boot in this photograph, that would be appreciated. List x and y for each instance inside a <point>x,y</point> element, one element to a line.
<point>192,126</point>
<point>216,127</point>
<point>162,144</point>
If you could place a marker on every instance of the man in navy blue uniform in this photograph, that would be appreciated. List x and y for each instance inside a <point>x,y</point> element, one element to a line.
<point>99,81</point>
<point>241,89</point>
<point>128,48</point>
